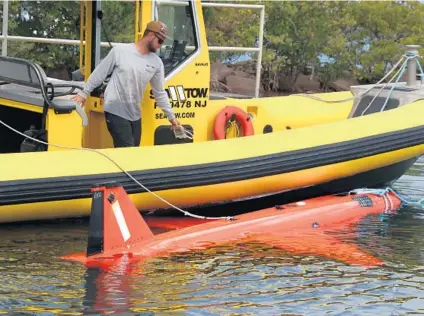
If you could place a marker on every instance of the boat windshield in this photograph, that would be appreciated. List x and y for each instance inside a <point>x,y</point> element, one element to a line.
<point>179,17</point>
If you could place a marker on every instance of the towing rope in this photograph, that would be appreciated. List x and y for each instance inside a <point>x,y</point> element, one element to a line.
<point>188,133</point>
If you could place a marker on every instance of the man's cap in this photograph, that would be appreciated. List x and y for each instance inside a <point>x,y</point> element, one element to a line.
<point>159,28</point>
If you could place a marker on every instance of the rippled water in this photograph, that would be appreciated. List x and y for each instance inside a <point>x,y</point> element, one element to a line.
<point>248,279</point>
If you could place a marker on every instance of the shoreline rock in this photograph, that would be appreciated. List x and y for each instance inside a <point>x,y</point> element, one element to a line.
<point>240,78</point>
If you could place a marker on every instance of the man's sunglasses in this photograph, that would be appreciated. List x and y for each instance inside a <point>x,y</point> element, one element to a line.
<point>160,41</point>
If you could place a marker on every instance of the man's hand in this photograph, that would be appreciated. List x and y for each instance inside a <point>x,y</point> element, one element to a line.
<point>175,124</point>
<point>80,100</point>
<point>179,131</point>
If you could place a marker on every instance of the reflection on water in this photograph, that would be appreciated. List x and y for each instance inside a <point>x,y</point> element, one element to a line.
<point>248,279</point>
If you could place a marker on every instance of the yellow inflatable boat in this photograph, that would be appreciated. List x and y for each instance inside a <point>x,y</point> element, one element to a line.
<point>292,144</point>
<point>301,143</point>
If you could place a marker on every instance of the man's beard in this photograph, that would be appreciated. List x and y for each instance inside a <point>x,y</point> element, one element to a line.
<point>150,46</point>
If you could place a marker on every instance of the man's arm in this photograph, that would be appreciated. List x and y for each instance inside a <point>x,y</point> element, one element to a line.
<point>99,74</point>
<point>160,94</point>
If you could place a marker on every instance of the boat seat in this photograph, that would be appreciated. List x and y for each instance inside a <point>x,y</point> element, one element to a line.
<point>26,82</point>
<point>23,96</point>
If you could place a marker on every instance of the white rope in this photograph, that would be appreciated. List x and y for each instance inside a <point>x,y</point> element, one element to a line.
<point>188,133</point>
<point>364,92</point>
<point>385,193</point>
<point>381,89</point>
<point>119,167</point>
<point>182,133</point>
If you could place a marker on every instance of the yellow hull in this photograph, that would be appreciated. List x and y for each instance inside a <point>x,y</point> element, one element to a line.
<point>57,184</point>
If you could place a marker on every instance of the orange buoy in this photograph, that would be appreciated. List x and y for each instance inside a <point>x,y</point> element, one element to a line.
<point>228,114</point>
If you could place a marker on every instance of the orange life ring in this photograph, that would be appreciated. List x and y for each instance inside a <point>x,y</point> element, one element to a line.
<point>228,113</point>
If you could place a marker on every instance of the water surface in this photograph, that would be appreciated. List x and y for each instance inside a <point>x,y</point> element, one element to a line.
<point>243,279</point>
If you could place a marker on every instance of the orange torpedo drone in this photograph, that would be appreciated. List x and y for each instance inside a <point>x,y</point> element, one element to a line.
<point>117,228</point>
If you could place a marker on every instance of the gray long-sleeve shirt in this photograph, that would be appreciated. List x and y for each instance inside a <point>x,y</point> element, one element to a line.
<point>131,73</point>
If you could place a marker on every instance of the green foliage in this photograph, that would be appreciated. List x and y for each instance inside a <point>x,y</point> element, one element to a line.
<point>384,28</point>
<point>47,19</point>
<point>61,19</point>
<point>117,23</point>
<point>362,39</point>
<point>236,27</point>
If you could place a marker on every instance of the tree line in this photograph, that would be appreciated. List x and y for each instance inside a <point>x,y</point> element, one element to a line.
<point>334,39</point>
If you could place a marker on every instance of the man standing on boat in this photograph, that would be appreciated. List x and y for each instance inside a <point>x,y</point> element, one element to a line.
<point>132,67</point>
